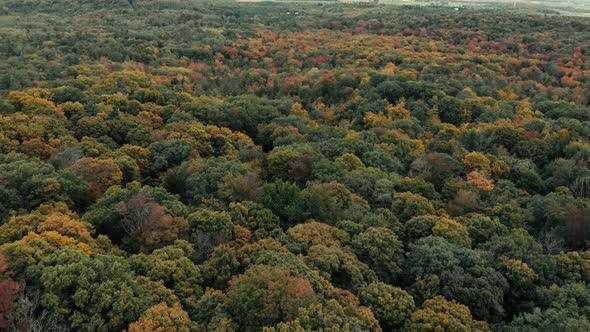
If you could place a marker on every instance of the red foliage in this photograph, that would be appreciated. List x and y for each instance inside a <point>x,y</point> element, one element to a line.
<point>9,291</point>
<point>321,58</point>
<point>407,32</point>
<point>233,52</point>
<point>530,134</point>
<point>301,169</point>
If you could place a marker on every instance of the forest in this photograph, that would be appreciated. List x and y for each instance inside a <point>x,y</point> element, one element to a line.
<point>171,165</point>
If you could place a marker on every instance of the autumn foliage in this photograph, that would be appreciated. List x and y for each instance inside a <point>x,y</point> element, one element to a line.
<point>276,166</point>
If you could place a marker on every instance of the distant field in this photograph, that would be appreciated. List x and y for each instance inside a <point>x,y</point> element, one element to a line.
<point>569,8</point>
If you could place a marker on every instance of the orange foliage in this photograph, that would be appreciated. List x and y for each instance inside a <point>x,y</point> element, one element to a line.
<point>480,180</point>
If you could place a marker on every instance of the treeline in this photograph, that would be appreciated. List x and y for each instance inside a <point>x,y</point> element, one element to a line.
<point>204,166</point>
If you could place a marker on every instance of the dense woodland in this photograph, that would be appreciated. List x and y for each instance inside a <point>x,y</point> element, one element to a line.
<point>213,166</point>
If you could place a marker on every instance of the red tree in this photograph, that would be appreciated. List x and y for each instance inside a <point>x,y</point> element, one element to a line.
<point>9,291</point>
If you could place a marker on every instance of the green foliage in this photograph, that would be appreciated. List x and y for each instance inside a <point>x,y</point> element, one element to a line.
<point>285,201</point>
<point>427,225</point>
<point>173,266</point>
<point>214,223</point>
<point>407,205</point>
<point>342,268</point>
<point>482,228</point>
<point>95,293</point>
<point>464,275</point>
<point>330,202</point>
<point>568,309</point>
<point>330,316</point>
<point>380,248</point>
<point>200,178</point>
<point>392,306</point>
<point>28,182</point>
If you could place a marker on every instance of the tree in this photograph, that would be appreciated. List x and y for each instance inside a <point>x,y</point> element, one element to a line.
<point>285,201</point>
<point>201,178</point>
<point>382,159</point>
<point>279,162</point>
<point>521,278</point>
<point>342,268</point>
<point>173,266</point>
<point>254,217</point>
<point>509,215</point>
<point>330,202</point>
<point>95,293</point>
<point>266,295</point>
<point>99,173</point>
<point>315,233</point>
<point>169,153</point>
<point>143,217</point>
<point>330,316</point>
<point>480,180</point>
<point>239,187</point>
<point>447,228</point>
<point>372,184</point>
<point>460,274</point>
<point>436,168</point>
<point>380,248</point>
<point>163,318</point>
<point>438,314</point>
<point>407,205</point>
<point>350,161</point>
<point>392,306</point>
<point>451,111</point>
<point>467,201</point>
<point>28,182</point>
<point>518,244</point>
<point>477,161</point>
<point>9,293</point>
<point>567,310</point>
<point>221,266</point>
<point>216,224</point>
<point>482,228</point>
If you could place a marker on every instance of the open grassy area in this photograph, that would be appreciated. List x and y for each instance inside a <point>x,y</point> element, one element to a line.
<point>568,8</point>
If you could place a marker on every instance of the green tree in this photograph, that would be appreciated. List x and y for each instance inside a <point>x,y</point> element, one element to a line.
<point>392,306</point>
<point>173,266</point>
<point>330,202</point>
<point>461,274</point>
<point>285,201</point>
<point>406,205</point>
<point>97,293</point>
<point>29,182</point>
<point>215,223</point>
<point>380,248</point>
<point>567,311</point>
<point>341,267</point>
<point>482,228</point>
<point>330,316</point>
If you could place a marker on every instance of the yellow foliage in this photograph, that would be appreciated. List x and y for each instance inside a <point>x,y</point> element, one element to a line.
<point>66,226</point>
<point>390,69</point>
<point>163,318</point>
<point>477,161</point>
<point>398,111</point>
